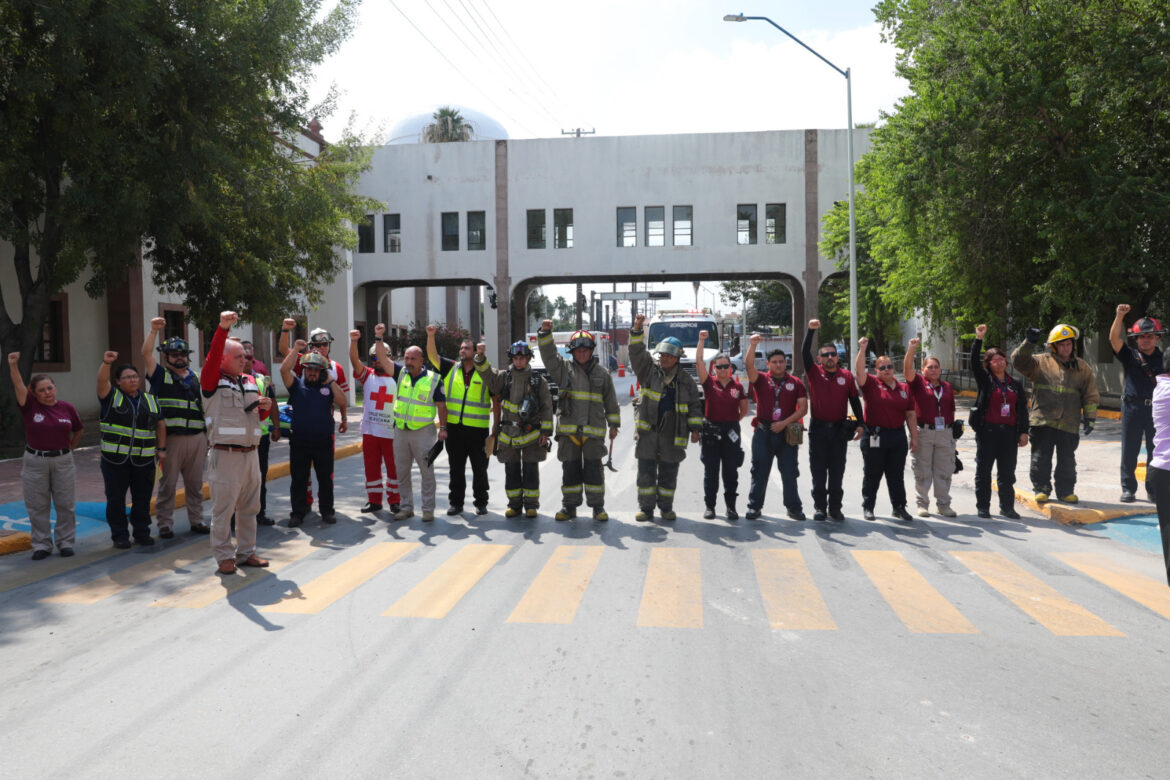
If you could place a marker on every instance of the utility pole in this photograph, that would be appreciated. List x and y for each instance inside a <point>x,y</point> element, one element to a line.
<point>580,306</point>
<point>579,131</point>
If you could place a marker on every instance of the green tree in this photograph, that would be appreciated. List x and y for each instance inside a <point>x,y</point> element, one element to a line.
<point>1023,180</point>
<point>176,122</point>
<point>447,340</point>
<point>449,125</point>
<point>769,303</point>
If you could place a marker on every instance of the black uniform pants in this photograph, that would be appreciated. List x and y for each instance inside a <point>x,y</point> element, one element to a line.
<point>1137,423</point>
<point>465,442</point>
<point>826,460</point>
<point>522,483</point>
<point>1045,441</point>
<point>139,480</point>
<point>264,446</point>
<point>657,481</point>
<point>996,445</point>
<point>1158,480</point>
<point>886,460</point>
<point>721,455</point>
<point>305,455</point>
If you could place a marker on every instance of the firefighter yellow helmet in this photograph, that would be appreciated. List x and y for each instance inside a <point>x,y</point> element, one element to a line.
<point>1062,332</point>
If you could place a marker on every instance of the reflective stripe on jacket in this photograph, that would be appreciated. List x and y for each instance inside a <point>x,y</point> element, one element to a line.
<point>688,412</point>
<point>588,403</point>
<point>469,405</point>
<point>414,407</point>
<point>181,404</point>
<point>130,433</point>
<point>1061,393</point>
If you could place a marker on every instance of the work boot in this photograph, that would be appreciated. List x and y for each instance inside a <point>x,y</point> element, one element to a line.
<point>295,520</point>
<point>796,514</point>
<point>1010,513</point>
<point>709,514</point>
<point>901,515</point>
<point>1041,498</point>
<point>868,514</point>
<point>923,512</point>
<point>1071,498</point>
<point>264,520</point>
<point>371,507</point>
<point>512,511</point>
<point>668,515</point>
<point>566,513</point>
<point>731,513</point>
<point>530,512</point>
<point>599,514</point>
<point>946,511</point>
<point>644,515</point>
<point>428,515</point>
<point>983,512</point>
<point>837,515</point>
<point>1127,497</point>
<point>481,509</point>
<point>753,514</point>
<point>819,515</point>
<point>403,514</point>
<point>454,510</point>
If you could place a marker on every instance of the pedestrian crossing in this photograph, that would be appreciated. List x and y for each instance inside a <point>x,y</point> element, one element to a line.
<point>788,595</point>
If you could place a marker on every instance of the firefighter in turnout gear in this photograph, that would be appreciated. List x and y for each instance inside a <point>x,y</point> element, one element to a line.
<point>176,386</point>
<point>523,436</point>
<point>669,414</point>
<point>1064,397</point>
<point>588,403</point>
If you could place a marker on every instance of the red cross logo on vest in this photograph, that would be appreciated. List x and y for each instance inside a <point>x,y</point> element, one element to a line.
<point>381,398</point>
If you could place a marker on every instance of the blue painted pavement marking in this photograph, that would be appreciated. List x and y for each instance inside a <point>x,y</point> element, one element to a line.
<point>91,517</point>
<point>1140,531</point>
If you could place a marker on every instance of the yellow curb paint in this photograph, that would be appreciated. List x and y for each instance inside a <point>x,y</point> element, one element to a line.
<point>275,471</point>
<point>1147,591</point>
<point>1139,473</point>
<point>15,542</point>
<point>791,598</point>
<point>1072,515</point>
<point>436,595</point>
<point>1042,602</point>
<point>557,591</point>
<point>672,596</point>
<point>1109,414</point>
<point>915,601</point>
<point>329,587</point>
<point>116,582</point>
<point>54,566</point>
<point>968,394</point>
<point>214,587</point>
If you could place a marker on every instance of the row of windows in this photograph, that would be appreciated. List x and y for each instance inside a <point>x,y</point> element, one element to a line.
<point>653,233</point>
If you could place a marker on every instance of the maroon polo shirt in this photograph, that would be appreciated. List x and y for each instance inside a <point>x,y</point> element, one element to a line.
<point>886,407</point>
<point>1001,394</point>
<point>829,394</point>
<point>931,402</point>
<point>721,404</point>
<point>767,390</point>
<point>49,427</point>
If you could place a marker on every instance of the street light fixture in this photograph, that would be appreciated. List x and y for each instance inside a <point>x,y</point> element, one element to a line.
<point>848,74</point>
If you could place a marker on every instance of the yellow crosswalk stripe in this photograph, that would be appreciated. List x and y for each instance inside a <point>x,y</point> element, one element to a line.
<point>214,587</point>
<point>557,591</point>
<point>329,587</point>
<point>915,601</point>
<point>118,581</point>
<point>1042,602</point>
<point>1147,591</point>
<point>791,598</point>
<point>673,594</point>
<point>445,586</point>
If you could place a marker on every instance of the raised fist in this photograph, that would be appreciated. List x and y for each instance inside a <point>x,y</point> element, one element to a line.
<point>481,348</point>
<point>13,358</point>
<point>300,345</point>
<point>227,319</point>
<point>863,342</point>
<point>432,330</point>
<point>755,339</point>
<point>641,318</point>
<point>703,335</point>
<point>814,324</point>
<point>380,329</point>
<point>914,342</point>
<point>546,326</point>
<point>289,324</point>
<point>355,336</point>
<point>158,323</point>
<point>1033,335</point>
<point>1122,309</point>
<point>980,331</point>
<point>109,357</point>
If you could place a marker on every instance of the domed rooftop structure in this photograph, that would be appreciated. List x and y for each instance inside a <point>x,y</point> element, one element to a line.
<point>410,130</point>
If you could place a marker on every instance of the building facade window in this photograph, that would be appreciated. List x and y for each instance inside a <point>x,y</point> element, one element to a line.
<point>775,223</point>
<point>745,223</point>
<point>52,352</point>
<point>655,226</point>
<point>536,229</point>
<point>683,225</point>
<point>450,231</point>
<point>391,232</point>
<point>476,230</point>
<point>563,228</point>
<point>366,234</point>
<point>176,317</point>
<point>627,226</point>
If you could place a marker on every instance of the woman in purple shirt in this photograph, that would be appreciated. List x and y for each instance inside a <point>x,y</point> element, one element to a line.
<point>52,430</point>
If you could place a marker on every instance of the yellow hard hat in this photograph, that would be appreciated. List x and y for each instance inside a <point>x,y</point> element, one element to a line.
<point>1062,332</point>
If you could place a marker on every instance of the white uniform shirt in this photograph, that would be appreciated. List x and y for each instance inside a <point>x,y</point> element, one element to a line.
<point>378,393</point>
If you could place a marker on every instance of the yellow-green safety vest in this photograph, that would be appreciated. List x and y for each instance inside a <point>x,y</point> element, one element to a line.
<point>414,406</point>
<point>468,405</point>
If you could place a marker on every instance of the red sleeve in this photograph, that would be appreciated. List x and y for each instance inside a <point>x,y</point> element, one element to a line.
<point>361,376</point>
<point>801,392</point>
<point>75,418</point>
<point>342,380</point>
<point>209,378</point>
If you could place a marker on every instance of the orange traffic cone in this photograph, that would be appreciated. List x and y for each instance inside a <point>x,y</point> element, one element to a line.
<point>631,391</point>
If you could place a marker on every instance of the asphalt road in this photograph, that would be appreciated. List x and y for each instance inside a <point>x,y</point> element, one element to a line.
<point>486,647</point>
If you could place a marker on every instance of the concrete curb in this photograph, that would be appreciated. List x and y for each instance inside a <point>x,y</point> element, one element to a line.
<point>19,541</point>
<point>1067,514</point>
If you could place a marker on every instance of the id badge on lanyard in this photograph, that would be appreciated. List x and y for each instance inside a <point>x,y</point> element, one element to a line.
<point>1005,409</point>
<point>777,412</point>
<point>939,421</point>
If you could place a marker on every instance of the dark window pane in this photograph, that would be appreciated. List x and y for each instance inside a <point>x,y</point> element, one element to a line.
<point>366,234</point>
<point>450,231</point>
<point>775,223</point>
<point>391,232</point>
<point>536,228</point>
<point>655,226</point>
<point>563,228</point>
<point>627,226</point>
<point>745,223</point>
<point>476,230</point>
<point>682,225</point>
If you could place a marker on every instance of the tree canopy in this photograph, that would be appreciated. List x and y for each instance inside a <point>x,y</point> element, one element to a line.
<point>1023,181</point>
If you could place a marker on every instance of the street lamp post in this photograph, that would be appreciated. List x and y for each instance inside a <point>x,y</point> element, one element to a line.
<point>848,74</point>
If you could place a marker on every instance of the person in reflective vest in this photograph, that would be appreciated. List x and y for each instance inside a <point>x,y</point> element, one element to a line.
<point>588,403</point>
<point>420,397</point>
<point>378,392</point>
<point>176,386</point>
<point>269,432</point>
<point>523,436</point>
<point>469,409</point>
<point>134,437</point>
<point>669,414</point>
<point>234,408</point>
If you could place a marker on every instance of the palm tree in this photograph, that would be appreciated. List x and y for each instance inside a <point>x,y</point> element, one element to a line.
<point>448,126</point>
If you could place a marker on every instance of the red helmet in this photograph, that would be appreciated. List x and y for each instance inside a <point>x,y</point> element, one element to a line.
<point>1146,326</point>
<point>582,338</point>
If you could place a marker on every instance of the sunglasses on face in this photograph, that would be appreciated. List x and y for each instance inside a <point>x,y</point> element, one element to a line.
<point>885,368</point>
<point>724,366</point>
<point>828,354</point>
